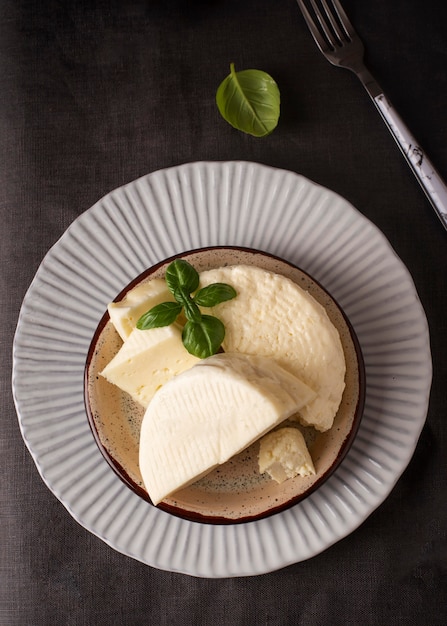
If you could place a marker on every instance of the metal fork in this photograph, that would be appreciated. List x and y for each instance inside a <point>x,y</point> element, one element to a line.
<point>338,41</point>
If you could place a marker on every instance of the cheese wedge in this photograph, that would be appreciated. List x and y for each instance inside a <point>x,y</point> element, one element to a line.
<point>206,415</point>
<point>272,316</point>
<point>147,360</point>
<point>283,454</point>
<point>125,314</point>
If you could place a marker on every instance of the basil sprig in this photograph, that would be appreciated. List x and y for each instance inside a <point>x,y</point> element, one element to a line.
<point>250,101</point>
<point>202,334</point>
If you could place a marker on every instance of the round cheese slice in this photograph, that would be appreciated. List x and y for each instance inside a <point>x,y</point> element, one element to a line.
<point>209,413</point>
<point>272,316</point>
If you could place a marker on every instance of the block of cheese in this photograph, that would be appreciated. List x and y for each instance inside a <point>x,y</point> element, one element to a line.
<point>283,454</point>
<point>147,360</point>
<point>206,415</point>
<point>272,316</point>
<point>125,313</point>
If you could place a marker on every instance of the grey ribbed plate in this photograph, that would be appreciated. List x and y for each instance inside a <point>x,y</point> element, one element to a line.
<point>193,206</point>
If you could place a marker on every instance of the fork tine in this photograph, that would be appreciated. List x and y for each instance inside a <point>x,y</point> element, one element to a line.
<point>322,22</point>
<point>337,28</point>
<point>333,29</point>
<point>344,20</point>
<point>334,34</point>
<point>319,39</point>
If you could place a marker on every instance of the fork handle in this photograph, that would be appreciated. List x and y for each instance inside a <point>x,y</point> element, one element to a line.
<point>429,179</point>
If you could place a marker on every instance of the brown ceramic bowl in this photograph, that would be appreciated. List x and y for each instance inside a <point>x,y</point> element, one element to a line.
<point>234,492</point>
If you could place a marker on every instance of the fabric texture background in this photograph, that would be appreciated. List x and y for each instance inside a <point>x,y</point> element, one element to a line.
<point>96,94</point>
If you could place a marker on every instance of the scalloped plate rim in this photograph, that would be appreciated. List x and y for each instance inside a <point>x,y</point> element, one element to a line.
<point>234,569</point>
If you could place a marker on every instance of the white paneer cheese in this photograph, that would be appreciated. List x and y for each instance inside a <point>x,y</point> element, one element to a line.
<point>272,316</point>
<point>125,314</point>
<point>283,454</point>
<point>147,360</point>
<point>206,415</point>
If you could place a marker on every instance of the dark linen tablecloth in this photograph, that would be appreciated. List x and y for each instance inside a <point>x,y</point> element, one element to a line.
<point>96,94</point>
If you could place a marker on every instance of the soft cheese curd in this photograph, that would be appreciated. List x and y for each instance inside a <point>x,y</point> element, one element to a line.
<point>283,359</point>
<point>147,360</point>
<point>272,316</point>
<point>206,415</point>
<point>283,454</point>
<point>125,313</point>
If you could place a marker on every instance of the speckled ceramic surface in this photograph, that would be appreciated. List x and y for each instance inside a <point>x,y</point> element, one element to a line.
<point>235,491</point>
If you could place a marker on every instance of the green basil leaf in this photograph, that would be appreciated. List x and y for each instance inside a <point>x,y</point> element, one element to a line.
<point>214,294</point>
<point>204,337</point>
<point>202,334</point>
<point>161,315</point>
<point>181,275</point>
<point>250,101</point>
<point>192,311</point>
